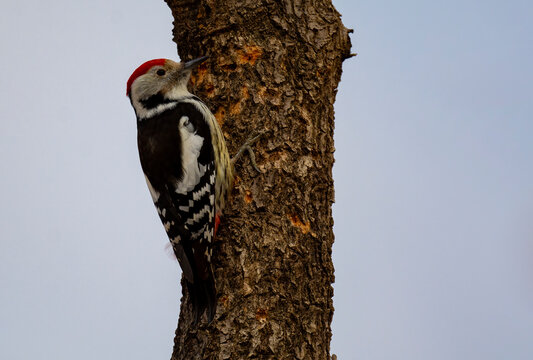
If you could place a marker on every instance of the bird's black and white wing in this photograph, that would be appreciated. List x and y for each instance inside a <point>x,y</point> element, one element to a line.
<point>178,161</point>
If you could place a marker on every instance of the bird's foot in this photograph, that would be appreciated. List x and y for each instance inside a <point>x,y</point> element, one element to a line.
<point>247,146</point>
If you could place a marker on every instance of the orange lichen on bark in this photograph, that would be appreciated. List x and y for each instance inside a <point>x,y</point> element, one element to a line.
<point>244,93</point>
<point>248,196</point>
<point>249,54</point>
<point>235,109</point>
<point>304,227</point>
<point>198,76</point>
<point>219,115</point>
<point>261,315</point>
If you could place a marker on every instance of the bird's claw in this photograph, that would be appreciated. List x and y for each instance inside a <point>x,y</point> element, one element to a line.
<point>247,146</point>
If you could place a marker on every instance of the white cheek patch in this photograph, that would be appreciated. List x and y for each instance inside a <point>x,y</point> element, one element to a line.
<point>147,85</point>
<point>178,92</point>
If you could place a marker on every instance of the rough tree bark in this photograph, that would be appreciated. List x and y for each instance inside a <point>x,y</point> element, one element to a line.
<point>274,67</point>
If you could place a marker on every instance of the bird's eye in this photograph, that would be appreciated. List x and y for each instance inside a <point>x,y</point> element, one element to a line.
<point>160,72</point>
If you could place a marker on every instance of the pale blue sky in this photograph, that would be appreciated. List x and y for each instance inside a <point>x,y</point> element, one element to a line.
<point>433,174</point>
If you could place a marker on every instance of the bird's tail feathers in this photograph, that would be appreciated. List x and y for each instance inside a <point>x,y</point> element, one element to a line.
<point>203,298</point>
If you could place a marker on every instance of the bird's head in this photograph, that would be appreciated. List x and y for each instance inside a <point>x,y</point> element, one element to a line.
<point>157,82</point>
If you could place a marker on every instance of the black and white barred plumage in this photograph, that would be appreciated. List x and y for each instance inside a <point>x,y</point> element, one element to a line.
<point>187,168</point>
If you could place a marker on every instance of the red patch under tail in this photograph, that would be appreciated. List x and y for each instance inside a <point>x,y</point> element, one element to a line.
<point>217,222</point>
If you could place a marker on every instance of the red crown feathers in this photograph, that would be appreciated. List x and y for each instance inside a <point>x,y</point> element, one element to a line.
<point>141,70</point>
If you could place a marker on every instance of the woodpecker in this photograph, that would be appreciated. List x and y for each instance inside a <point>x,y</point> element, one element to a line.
<point>187,168</point>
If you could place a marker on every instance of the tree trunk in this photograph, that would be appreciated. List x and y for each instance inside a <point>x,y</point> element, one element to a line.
<point>274,67</point>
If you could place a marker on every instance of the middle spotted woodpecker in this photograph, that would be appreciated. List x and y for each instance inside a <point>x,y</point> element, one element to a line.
<point>187,168</point>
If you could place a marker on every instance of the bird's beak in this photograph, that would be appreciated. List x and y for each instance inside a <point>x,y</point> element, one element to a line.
<point>194,62</point>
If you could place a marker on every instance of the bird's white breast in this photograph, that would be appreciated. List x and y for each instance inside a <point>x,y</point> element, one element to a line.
<point>191,145</point>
